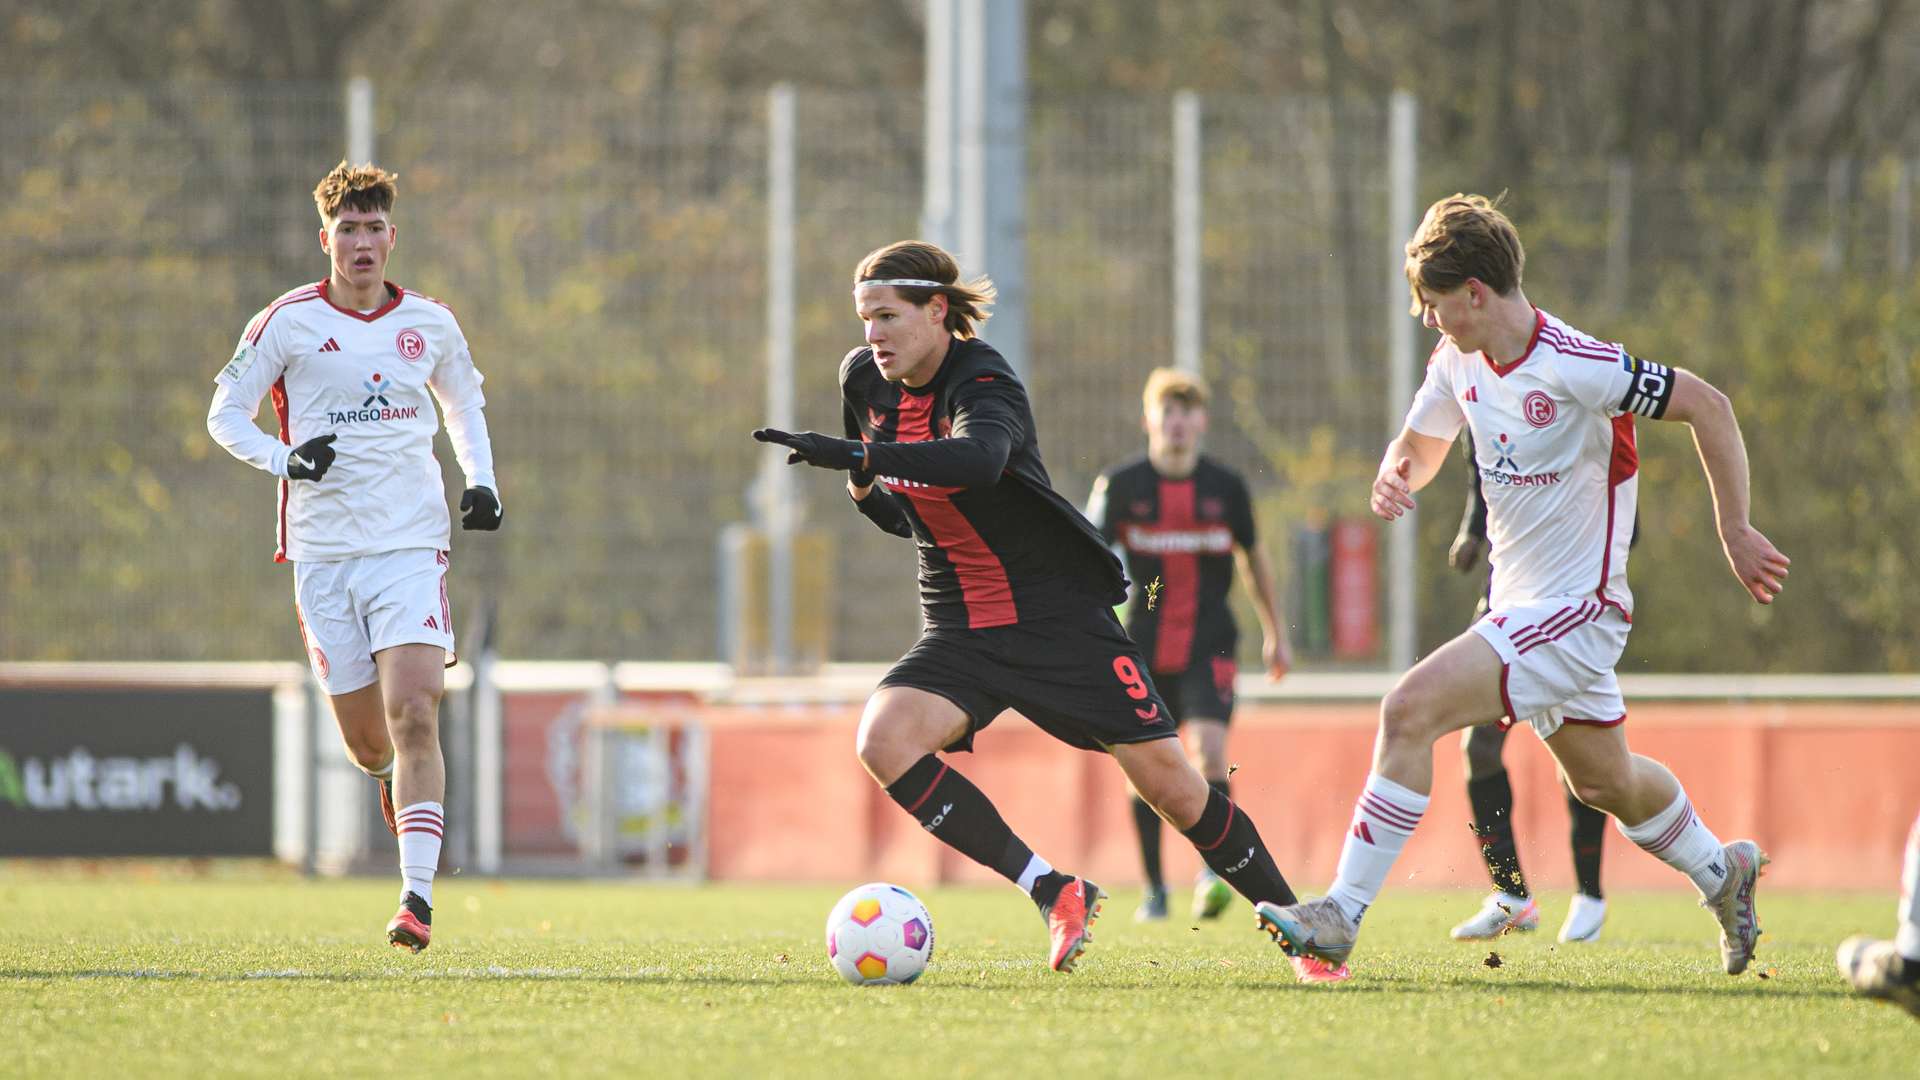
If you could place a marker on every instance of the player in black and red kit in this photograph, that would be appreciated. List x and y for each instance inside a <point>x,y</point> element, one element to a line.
<point>1016,586</point>
<point>1181,521</point>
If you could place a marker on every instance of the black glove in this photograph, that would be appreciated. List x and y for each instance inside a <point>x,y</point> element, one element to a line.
<point>821,451</point>
<point>311,459</point>
<point>481,509</point>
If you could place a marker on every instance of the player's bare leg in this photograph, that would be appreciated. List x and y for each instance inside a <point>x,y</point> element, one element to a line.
<point>1206,743</point>
<point>1456,687</point>
<point>1652,810</point>
<point>412,680</point>
<point>1220,831</point>
<point>901,733</point>
<point>362,717</point>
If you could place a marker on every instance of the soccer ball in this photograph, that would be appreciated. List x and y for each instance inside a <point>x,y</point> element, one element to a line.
<point>878,935</point>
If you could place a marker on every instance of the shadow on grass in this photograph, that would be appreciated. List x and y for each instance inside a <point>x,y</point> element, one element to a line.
<point>947,982</point>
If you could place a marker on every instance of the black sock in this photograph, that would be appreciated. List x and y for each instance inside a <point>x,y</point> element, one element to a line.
<point>1589,834</point>
<point>1232,847</point>
<point>1492,799</point>
<point>959,815</point>
<point>1147,823</point>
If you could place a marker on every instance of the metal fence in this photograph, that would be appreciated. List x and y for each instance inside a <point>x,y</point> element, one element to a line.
<point>606,256</point>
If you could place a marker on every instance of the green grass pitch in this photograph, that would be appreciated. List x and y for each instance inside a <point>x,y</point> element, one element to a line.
<point>158,975</point>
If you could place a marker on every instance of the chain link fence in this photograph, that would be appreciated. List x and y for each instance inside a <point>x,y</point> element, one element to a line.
<point>606,256</point>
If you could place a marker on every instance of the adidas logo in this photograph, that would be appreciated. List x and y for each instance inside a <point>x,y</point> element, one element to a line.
<point>330,346</point>
<point>1472,394</point>
<point>431,624</point>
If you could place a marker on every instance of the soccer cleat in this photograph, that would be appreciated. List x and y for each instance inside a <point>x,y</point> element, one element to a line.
<point>1070,921</point>
<point>387,813</point>
<point>1153,906</point>
<point>1733,904</point>
<point>1585,916</point>
<point>1310,969</point>
<point>1211,895</point>
<point>1316,928</point>
<point>1499,913</point>
<point>412,925</point>
<point>1877,970</point>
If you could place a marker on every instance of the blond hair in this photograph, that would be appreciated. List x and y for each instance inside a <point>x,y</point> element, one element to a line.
<point>967,302</point>
<point>367,188</point>
<point>1172,384</point>
<point>1464,236</point>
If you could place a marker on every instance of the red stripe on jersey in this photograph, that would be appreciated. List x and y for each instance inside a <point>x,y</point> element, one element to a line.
<point>397,292</point>
<point>1624,464</point>
<point>286,436</point>
<point>259,326</point>
<point>1180,581</point>
<point>984,587</point>
<point>1584,347</point>
<point>1503,370</point>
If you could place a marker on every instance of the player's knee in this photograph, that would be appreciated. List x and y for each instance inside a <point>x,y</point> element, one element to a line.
<point>886,744</point>
<point>369,755</point>
<point>413,721</point>
<point>1405,716</point>
<point>1600,792</point>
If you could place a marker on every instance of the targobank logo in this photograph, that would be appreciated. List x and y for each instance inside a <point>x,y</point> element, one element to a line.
<point>377,390</point>
<point>80,781</point>
<point>1507,472</point>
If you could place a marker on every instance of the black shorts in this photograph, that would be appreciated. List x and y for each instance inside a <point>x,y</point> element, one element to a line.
<point>1204,691</point>
<point>1078,677</point>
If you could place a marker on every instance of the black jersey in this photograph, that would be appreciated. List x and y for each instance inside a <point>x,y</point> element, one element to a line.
<point>1180,533</point>
<point>958,469</point>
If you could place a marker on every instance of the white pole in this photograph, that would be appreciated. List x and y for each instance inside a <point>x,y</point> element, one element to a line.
<point>939,207</point>
<point>359,119</point>
<point>1619,231</point>
<point>780,518</point>
<point>1402,612</point>
<point>489,764</point>
<point>1186,231</point>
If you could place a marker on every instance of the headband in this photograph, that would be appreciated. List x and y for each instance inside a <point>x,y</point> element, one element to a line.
<point>912,283</point>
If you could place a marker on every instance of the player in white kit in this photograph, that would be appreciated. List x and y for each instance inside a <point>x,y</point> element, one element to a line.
<point>1551,413</point>
<point>354,364</point>
<point>1890,970</point>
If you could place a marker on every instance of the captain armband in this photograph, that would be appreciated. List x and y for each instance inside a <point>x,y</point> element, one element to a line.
<point>1649,389</point>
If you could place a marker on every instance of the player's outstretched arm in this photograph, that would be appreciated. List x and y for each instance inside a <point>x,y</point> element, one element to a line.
<point>1723,453</point>
<point>1410,463</point>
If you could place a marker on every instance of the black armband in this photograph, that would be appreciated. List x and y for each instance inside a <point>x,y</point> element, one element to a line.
<point>1649,389</point>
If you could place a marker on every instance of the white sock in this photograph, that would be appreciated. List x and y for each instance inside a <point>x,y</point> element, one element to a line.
<point>1676,836</point>
<point>1036,868</point>
<point>420,827</point>
<point>1385,815</point>
<point>1907,938</point>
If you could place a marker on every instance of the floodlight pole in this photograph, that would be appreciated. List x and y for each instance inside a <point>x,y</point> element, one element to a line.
<point>975,202</point>
<point>1403,535</point>
<point>359,119</point>
<point>1187,340</point>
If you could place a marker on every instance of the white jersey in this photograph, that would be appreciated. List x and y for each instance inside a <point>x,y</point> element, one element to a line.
<point>369,378</point>
<point>1553,435</point>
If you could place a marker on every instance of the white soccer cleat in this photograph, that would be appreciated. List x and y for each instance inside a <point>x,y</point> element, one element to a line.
<point>1733,906</point>
<point>1585,916</point>
<point>1499,913</point>
<point>1876,970</point>
<point>1316,928</point>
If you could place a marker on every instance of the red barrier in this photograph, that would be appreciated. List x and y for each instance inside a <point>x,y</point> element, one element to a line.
<point>1827,788</point>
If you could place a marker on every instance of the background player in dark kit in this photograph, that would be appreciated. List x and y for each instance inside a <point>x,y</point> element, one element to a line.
<point>1181,520</point>
<point>1016,588</point>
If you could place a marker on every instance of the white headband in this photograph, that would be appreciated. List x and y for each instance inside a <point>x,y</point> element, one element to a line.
<point>912,283</point>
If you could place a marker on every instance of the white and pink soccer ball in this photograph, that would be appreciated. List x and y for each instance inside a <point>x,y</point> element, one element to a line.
<point>879,935</point>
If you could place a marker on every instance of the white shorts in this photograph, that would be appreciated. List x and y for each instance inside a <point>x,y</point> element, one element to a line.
<point>350,609</point>
<point>1557,657</point>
